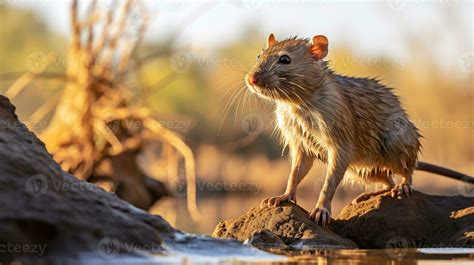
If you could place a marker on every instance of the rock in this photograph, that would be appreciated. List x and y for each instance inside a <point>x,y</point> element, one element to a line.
<point>419,221</point>
<point>287,225</point>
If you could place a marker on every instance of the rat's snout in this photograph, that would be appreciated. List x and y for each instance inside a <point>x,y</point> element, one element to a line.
<point>253,78</point>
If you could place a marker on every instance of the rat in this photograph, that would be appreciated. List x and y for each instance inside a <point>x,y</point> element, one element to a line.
<point>356,126</point>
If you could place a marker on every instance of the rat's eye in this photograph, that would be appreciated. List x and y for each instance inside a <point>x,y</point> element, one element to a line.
<point>284,59</point>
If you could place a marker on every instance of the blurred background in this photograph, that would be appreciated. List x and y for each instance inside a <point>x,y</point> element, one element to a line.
<point>186,69</point>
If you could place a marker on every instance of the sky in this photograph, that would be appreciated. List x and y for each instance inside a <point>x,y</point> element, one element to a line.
<point>371,28</point>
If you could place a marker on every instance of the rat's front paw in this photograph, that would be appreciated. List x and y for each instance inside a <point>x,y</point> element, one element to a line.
<point>275,201</point>
<point>320,215</point>
<point>402,190</point>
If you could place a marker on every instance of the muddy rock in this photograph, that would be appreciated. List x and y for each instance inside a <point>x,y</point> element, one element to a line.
<point>285,226</point>
<point>419,221</point>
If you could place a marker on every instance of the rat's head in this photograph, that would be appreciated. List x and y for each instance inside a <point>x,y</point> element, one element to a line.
<point>289,70</point>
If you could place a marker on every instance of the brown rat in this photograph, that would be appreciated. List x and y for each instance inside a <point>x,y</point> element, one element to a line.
<point>354,125</point>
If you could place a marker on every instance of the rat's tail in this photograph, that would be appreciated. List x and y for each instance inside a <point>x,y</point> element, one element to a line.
<point>444,172</point>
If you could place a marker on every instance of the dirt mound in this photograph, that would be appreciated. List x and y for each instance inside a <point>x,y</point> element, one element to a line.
<point>419,221</point>
<point>283,227</point>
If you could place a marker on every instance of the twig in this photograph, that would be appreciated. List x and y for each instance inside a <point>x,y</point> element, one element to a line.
<point>42,111</point>
<point>19,85</point>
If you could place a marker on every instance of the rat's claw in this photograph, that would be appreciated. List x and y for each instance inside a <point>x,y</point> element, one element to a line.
<point>402,190</point>
<point>275,201</point>
<point>320,215</point>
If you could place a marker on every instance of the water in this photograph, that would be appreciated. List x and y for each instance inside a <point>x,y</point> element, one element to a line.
<point>389,256</point>
<point>246,256</point>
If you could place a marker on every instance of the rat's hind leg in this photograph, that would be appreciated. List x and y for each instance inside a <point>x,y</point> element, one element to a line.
<point>380,177</point>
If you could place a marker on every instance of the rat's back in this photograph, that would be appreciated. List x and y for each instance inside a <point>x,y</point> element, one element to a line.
<point>383,132</point>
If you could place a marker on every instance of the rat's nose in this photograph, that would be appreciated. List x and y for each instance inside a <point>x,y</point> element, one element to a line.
<point>253,78</point>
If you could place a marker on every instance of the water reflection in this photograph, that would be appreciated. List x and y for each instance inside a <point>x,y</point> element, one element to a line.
<point>376,257</point>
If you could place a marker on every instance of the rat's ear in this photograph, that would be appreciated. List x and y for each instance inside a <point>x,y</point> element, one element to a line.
<point>271,40</point>
<point>319,47</point>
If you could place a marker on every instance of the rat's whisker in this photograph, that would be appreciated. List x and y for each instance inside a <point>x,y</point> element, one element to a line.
<point>238,106</point>
<point>273,64</point>
<point>229,105</point>
<point>232,89</point>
